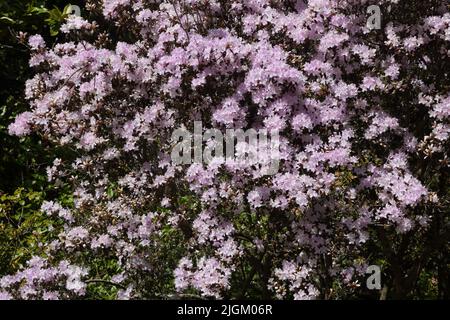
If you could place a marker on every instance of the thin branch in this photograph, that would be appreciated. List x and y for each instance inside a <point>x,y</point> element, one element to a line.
<point>179,20</point>
<point>106,282</point>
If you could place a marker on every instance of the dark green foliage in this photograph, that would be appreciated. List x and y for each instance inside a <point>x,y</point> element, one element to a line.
<point>23,181</point>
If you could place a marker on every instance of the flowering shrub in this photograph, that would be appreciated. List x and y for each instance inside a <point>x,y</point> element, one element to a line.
<point>363,117</point>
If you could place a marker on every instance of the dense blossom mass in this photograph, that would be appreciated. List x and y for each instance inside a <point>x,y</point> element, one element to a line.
<point>363,116</point>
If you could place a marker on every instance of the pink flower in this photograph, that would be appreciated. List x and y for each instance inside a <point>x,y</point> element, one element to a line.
<point>36,42</point>
<point>21,126</point>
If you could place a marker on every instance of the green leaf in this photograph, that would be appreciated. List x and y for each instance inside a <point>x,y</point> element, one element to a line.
<point>38,10</point>
<point>53,32</point>
<point>56,15</point>
<point>67,10</point>
<point>7,19</point>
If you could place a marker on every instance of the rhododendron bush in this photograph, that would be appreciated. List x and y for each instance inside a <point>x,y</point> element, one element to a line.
<point>363,117</point>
